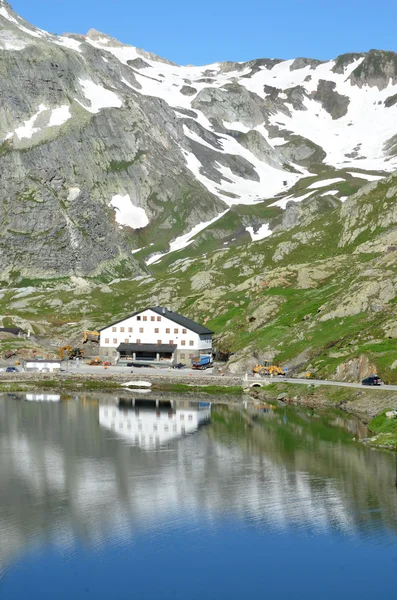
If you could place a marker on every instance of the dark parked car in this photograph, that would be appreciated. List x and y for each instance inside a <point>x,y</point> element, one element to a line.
<point>12,370</point>
<point>179,366</point>
<point>372,380</point>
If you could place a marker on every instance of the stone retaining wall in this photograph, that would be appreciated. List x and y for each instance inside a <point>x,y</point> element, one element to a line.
<point>195,380</point>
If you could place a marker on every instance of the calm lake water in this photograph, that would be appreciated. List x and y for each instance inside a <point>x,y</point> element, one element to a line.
<point>103,499</point>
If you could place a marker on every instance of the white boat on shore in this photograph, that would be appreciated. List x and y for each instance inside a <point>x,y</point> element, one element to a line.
<point>137,384</point>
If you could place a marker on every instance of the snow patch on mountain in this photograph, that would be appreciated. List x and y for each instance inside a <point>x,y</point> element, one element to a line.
<point>27,130</point>
<point>68,42</point>
<point>366,176</point>
<point>357,139</point>
<point>9,41</point>
<point>319,184</point>
<point>98,96</point>
<point>329,193</point>
<point>185,240</point>
<point>4,13</point>
<point>59,116</point>
<point>39,121</point>
<point>284,201</point>
<point>33,32</point>
<point>235,126</point>
<point>243,190</point>
<point>196,138</point>
<point>128,215</point>
<point>74,193</point>
<point>263,232</point>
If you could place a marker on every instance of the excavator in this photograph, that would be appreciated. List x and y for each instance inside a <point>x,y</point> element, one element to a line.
<point>67,353</point>
<point>267,369</point>
<point>91,336</point>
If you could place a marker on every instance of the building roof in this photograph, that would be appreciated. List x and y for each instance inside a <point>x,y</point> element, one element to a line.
<point>181,320</point>
<point>147,348</point>
<point>43,361</point>
<point>172,316</point>
<point>13,330</point>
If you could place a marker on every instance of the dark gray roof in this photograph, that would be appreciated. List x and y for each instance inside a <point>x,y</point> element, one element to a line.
<point>43,360</point>
<point>181,320</point>
<point>13,330</point>
<point>169,314</point>
<point>147,348</point>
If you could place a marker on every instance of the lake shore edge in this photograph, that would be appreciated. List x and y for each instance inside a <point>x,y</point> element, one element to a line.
<point>367,405</point>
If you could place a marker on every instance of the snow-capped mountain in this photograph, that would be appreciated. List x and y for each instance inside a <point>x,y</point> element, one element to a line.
<point>110,153</point>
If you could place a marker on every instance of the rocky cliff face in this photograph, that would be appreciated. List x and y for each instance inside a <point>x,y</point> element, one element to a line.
<point>106,149</point>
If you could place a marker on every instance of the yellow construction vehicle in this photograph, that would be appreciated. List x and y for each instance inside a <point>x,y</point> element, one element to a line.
<point>91,336</point>
<point>267,369</point>
<point>67,352</point>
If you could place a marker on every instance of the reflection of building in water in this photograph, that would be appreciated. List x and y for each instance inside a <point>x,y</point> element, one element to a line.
<point>43,397</point>
<point>150,423</point>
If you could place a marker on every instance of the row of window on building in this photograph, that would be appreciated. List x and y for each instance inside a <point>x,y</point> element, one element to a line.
<point>128,425</point>
<point>170,415</point>
<point>151,438</point>
<point>142,330</point>
<point>138,341</point>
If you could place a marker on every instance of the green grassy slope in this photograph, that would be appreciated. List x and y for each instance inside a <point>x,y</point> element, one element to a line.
<point>319,294</point>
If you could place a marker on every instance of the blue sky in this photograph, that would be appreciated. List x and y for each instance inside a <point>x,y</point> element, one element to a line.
<point>211,30</point>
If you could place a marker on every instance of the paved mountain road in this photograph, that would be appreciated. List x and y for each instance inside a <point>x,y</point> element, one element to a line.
<point>253,380</point>
<point>177,373</point>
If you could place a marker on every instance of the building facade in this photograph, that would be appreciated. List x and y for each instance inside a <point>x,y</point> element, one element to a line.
<point>155,334</point>
<point>45,366</point>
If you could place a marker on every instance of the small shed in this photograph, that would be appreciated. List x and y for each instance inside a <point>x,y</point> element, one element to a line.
<point>43,366</point>
<point>17,331</point>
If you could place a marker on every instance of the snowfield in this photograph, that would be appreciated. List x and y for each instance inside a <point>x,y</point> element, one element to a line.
<point>245,169</point>
<point>43,118</point>
<point>59,116</point>
<point>319,184</point>
<point>367,176</point>
<point>98,96</point>
<point>128,215</point>
<point>263,232</point>
<point>27,130</point>
<point>364,130</point>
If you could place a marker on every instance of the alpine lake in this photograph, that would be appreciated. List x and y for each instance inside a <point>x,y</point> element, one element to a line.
<point>169,496</point>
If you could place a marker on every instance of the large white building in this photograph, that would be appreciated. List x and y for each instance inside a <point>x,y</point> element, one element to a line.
<point>155,334</point>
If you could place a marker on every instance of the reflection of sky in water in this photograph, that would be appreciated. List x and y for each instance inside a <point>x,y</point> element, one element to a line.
<point>71,475</point>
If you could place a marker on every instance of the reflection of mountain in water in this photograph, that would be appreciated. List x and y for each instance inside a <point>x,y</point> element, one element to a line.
<point>64,476</point>
<point>151,423</point>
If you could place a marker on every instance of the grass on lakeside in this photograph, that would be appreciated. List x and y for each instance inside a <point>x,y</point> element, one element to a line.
<point>73,384</point>
<point>385,431</point>
<point>53,384</point>
<point>207,389</point>
<point>381,424</point>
